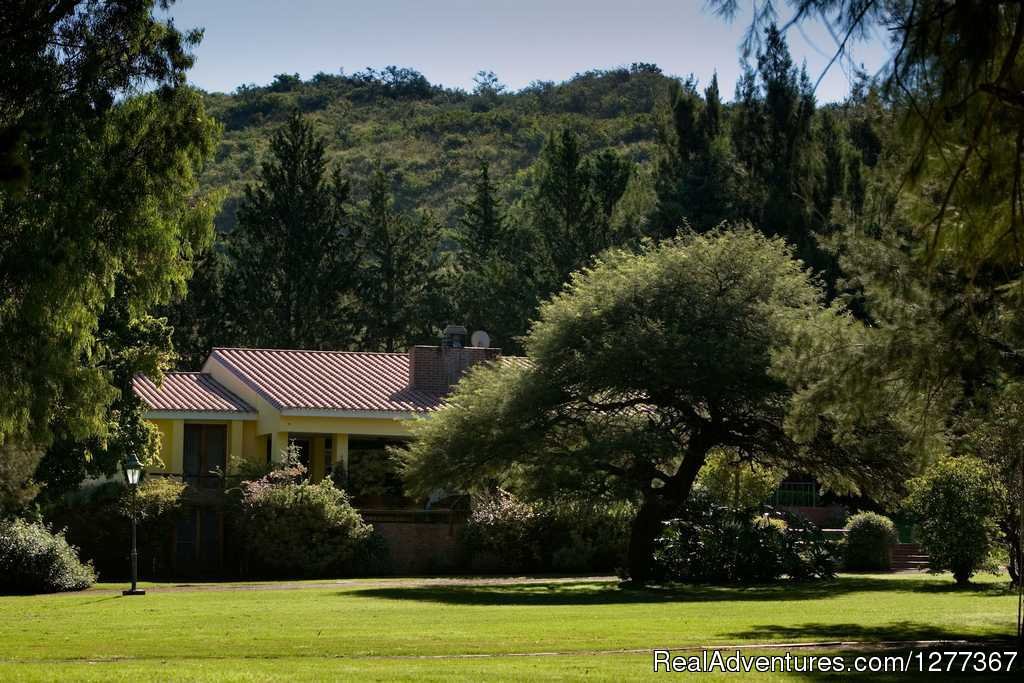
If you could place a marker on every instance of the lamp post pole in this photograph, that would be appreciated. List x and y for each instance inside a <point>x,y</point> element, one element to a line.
<point>133,472</point>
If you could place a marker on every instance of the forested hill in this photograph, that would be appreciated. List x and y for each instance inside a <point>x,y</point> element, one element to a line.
<point>433,138</point>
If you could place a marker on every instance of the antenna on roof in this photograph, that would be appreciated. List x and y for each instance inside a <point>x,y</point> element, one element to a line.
<point>480,339</point>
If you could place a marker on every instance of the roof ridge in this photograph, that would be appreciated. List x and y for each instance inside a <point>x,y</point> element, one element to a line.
<point>361,353</point>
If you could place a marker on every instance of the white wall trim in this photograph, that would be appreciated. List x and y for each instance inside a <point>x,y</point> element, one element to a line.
<point>370,414</point>
<point>197,415</point>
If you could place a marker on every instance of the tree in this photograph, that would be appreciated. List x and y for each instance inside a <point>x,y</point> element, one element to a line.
<point>696,182</point>
<point>638,371</point>
<point>402,274</point>
<point>496,290</point>
<point>992,429</point>
<point>571,207</point>
<point>955,503</point>
<point>296,250</point>
<point>954,80</point>
<point>98,195</point>
<point>774,143</point>
<point>134,344</point>
<point>205,317</point>
<point>483,231</point>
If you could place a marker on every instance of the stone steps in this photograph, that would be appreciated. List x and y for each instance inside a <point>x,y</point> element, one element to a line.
<point>908,556</point>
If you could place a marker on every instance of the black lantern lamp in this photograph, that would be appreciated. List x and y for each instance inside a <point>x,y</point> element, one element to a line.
<point>132,474</point>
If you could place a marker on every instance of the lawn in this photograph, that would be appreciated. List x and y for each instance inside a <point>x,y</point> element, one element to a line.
<point>381,630</point>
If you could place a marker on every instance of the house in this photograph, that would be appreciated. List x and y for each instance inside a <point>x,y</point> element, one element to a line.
<point>340,409</point>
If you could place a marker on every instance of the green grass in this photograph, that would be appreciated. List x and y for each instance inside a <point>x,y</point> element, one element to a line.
<point>387,631</point>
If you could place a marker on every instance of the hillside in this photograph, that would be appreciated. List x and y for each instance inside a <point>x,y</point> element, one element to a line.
<point>433,138</point>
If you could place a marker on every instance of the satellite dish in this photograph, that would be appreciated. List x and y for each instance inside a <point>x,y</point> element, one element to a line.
<point>480,339</point>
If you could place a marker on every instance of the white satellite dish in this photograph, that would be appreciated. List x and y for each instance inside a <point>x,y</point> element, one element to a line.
<point>480,339</point>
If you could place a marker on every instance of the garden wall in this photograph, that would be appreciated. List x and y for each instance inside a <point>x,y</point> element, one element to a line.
<point>418,544</point>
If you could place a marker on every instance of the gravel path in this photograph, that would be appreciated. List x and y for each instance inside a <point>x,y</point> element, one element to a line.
<point>359,583</point>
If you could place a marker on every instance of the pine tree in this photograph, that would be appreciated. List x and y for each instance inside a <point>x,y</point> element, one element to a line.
<point>482,227</point>
<point>572,205</point>
<point>496,290</point>
<point>295,249</point>
<point>402,290</point>
<point>696,181</point>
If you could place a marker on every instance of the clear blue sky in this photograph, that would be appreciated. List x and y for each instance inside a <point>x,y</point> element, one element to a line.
<point>249,41</point>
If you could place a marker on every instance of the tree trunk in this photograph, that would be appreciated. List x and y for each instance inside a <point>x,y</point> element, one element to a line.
<point>1012,536</point>
<point>657,507</point>
<point>646,529</point>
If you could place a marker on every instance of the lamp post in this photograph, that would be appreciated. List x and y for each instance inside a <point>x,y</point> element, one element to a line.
<point>132,473</point>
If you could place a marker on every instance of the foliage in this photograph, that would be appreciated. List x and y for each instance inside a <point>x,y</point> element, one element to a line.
<point>716,544</point>
<point>953,81</point>
<point>729,481</point>
<point>134,344</point>
<point>697,180</point>
<point>371,472</point>
<point>993,430</point>
<point>296,250</point>
<point>401,274</point>
<point>299,528</point>
<point>572,205</point>
<point>869,539</point>
<point>508,529</point>
<point>496,287</point>
<point>433,140</point>
<point>96,520</point>
<point>956,503</point>
<point>156,497</point>
<point>638,371</point>
<point>99,194</point>
<point>17,488</point>
<point>35,560</point>
<point>506,534</point>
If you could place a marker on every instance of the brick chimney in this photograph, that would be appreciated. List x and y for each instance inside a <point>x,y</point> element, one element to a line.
<point>438,368</point>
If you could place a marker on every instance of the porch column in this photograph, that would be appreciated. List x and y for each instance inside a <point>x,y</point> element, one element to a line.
<point>235,444</point>
<point>278,445</point>
<point>341,453</point>
<point>177,454</point>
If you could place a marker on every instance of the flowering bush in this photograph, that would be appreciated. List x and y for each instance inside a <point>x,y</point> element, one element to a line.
<point>292,527</point>
<point>503,534</point>
<point>506,534</point>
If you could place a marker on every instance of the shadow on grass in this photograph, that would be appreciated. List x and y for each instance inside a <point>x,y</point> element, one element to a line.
<point>585,593</point>
<point>818,632</point>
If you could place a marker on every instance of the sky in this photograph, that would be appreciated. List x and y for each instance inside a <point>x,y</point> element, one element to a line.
<point>449,41</point>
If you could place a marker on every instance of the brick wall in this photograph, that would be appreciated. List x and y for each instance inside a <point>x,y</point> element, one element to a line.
<point>421,547</point>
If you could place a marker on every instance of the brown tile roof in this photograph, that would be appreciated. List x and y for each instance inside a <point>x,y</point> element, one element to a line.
<point>329,380</point>
<point>188,392</point>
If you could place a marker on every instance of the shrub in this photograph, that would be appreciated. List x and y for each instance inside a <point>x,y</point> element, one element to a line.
<point>505,534</point>
<point>715,544</point>
<point>96,520</point>
<point>869,536</point>
<point>298,528</point>
<point>34,560</point>
<point>737,484</point>
<point>955,504</point>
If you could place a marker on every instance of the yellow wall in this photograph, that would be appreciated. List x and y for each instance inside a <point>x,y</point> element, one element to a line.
<point>166,429</point>
<point>246,440</point>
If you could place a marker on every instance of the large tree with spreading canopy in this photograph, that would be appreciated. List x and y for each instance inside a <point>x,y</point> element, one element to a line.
<point>644,365</point>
